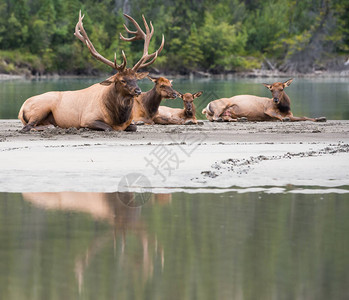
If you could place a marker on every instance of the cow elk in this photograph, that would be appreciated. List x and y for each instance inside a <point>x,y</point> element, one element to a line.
<point>167,115</point>
<point>146,104</point>
<point>254,108</point>
<point>102,106</point>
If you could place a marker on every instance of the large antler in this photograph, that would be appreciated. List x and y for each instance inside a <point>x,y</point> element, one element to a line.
<point>81,34</point>
<point>146,59</point>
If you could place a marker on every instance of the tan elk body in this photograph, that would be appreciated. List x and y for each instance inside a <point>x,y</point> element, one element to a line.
<point>254,108</point>
<point>104,106</point>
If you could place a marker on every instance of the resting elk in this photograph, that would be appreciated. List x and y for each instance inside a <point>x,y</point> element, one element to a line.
<point>167,115</point>
<point>102,106</point>
<point>146,104</point>
<point>254,108</point>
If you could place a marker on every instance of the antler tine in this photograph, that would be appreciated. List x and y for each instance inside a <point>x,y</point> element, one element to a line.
<point>140,64</point>
<point>139,33</point>
<point>81,34</point>
<point>124,63</point>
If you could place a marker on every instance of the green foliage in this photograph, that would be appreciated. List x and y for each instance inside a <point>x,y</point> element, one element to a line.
<point>214,36</point>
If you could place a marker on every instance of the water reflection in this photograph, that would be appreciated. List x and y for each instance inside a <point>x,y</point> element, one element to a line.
<point>181,246</point>
<point>123,220</point>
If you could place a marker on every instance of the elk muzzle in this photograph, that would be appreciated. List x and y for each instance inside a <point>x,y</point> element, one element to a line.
<point>137,91</point>
<point>276,100</point>
<point>189,108</point>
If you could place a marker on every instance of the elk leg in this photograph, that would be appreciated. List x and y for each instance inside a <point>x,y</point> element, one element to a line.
<point>274,115</point>
<point>145,121</point>
<point>297,119</point>
<point>190,122</point>
<point>99,125</point>
<point>228,119</point>
<point>28,127</point>
<point>131,127</point>
<point>45,119</point>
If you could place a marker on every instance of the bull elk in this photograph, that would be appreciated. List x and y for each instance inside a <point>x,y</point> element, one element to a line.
<point>102,106</point>
<point>254,108</point>
<point>146,104</point>
<point>186,116</point>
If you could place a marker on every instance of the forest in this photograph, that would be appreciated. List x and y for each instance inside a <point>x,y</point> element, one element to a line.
<point>225,36</point>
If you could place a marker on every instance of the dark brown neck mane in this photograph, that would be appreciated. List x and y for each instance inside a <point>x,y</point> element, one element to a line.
<point>151,101</point>
<point>284,105</point>
<point>118,105</point>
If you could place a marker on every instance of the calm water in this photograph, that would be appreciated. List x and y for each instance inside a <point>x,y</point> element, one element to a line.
<point>177,246</point>
<point>310,97</point>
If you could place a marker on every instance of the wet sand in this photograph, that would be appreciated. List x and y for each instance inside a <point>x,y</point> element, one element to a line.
<point>272,156</point>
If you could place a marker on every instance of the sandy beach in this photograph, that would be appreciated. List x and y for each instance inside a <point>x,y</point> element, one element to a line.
<point>268,156</point>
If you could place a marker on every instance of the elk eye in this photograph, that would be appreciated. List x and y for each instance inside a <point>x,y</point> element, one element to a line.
<point>123,81</point>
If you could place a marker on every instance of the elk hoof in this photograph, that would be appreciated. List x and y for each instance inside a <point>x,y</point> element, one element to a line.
<point>140,123</point>
<point>242,119</point>
<point>200,123</point>
<point>131,127</point>
<point>26,128</point>
<point>218,120</point>
<point>321,119</point>
<point>189,122</point>
<point>287,119</point>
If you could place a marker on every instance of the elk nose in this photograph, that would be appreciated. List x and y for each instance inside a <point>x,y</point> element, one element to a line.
<point>138,91</point>
<point>276,100</point>
<point>174,95</point>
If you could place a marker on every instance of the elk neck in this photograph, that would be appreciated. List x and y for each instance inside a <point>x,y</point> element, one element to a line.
<point>189,113</point>
<point>284,105</point>
<point>118,105</point>
<point>151,101</point>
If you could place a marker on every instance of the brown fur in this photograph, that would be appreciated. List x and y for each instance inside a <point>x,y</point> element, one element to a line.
<point>146,104</point>
<point>167,115</point>
<point>105,106</point>
<point>255,108</point>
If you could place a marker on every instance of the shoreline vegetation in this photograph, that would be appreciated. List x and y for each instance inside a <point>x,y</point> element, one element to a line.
<point>225,38</point>
<point>191,76</point>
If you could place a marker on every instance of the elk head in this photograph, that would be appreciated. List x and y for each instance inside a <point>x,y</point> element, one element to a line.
<point>277,90</point>
<point>163,87</point>
<point>125,80</point>
<point>188,100</point>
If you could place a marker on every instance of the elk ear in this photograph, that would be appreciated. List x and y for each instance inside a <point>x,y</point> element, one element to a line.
<point>170,81</point>
<point>198,94</point>
<point>179,94</point>
<point>106,82</point>
<point>268,86</point>
<point>288,82</point>
<point>151,79</point>
<point>141,75</point>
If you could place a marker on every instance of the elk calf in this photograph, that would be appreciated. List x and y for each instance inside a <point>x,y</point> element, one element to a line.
<point>254,108</point>
<point>167,115</point>
<point>146,104</point>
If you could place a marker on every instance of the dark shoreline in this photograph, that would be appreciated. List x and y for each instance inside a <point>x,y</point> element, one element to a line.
<point>197,75</point>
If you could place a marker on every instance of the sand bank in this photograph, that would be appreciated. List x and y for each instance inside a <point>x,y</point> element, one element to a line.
<point>270,156</point>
